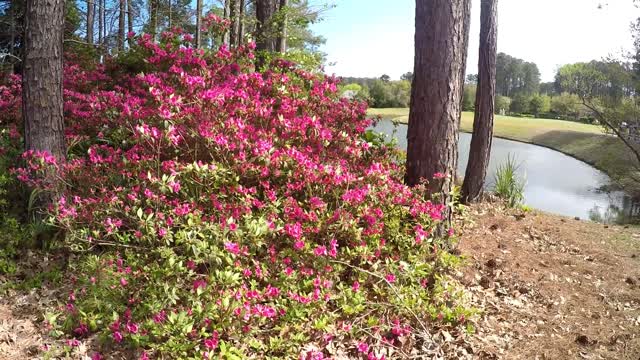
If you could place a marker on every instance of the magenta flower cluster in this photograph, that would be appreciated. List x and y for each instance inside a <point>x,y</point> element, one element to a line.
<point>231,210</point>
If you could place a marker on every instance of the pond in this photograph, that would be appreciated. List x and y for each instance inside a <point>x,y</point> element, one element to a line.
<point>555,183</point>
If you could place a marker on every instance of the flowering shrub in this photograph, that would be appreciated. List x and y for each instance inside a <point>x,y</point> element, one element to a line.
<point>221,212</point>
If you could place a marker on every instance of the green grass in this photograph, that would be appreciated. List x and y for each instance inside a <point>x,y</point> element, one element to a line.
<point>521,129</point>
<point>583,141</point>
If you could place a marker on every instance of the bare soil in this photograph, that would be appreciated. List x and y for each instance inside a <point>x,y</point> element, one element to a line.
<point>551,287</point>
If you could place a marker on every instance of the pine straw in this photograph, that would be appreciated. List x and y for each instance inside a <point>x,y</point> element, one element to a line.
<point>552,287</point>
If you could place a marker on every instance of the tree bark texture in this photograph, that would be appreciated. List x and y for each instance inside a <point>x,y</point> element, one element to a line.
<point>241,22</point>
<point>121,20</point>
<point>101,34</point>
<point>226,15</point>
<point>130,16</point>
<point>90,20</point>
<point>265,34</point>
<point>198,39</point>
<point>153,18</point>
<point>282,34</point>
<point>234,31</point>
<point>480,150</point>
<point>42,104</point>
<point>440,38</point>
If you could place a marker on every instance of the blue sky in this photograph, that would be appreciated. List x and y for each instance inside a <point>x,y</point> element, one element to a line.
<point>375,37</point>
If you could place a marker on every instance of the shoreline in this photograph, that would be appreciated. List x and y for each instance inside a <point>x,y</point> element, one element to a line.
<point>579,141</point>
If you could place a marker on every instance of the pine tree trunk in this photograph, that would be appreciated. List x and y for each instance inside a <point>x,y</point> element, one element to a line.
<point>101,33</point>
<point>436,94</point>
<point>153,18</point>
<point>198,24</point>
<point>42,103</point>
<point>121,20</point>
<point>226,15</point>
<point>480,150</point>
<point>130,16</point>
<point>90,17</point>
<point>282,34</point>
<point>265,37</point>
<point>12,36</point>
<point>234,31</point>
<point>170,14</point>
<point>241,22</point>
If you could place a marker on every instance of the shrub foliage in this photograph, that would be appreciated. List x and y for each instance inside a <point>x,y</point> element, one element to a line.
<point>215,211</point>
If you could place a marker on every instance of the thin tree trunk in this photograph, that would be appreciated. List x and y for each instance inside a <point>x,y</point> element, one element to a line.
<point>42,104</point>
<point>101,33</point>
<point>170,15</point>
<point>241,9</point>
<point>265,37</point>
<point>198,24</point>
<point>226,15</point>
<point>480,150</point>
<point>121,20</point>
<point>234,32</point>
<point>282,34</point>
<point>153,18</point>
<point>12,36</point>
<point>130,16</point>
<point>90,17</point>
<point>436,93</point>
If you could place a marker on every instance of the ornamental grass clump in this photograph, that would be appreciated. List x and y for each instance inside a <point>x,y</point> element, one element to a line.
<point>218,212</point>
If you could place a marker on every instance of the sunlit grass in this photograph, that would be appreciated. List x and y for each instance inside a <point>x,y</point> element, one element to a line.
<point>583,141</point>
<point>523,129</point>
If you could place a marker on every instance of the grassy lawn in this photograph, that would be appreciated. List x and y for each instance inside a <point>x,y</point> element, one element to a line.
<point>582,141</point>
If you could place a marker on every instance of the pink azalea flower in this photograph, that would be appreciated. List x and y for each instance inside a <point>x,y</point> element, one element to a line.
<point>117,336</point>
<point>232,247</point>
<point>298,245</point>
<point>73,342</point>
<point>132,328</point>
<point>199,283</point>
<point>320,250</point>
<point>212,342</point>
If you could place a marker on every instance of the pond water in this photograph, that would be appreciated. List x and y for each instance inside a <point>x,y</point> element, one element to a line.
<point>555,182</point>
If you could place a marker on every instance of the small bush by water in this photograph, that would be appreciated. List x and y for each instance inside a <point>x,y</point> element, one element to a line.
<point>507,183</point>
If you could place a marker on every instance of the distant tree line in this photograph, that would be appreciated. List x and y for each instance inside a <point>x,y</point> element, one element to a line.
<point>379,92</point>
<point>556,99</point>
<point>519,91</point>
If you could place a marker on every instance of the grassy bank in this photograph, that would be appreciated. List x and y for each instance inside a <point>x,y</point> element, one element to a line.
<point>582,141</point>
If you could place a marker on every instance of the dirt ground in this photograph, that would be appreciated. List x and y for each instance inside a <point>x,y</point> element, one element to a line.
<point>551,287</point>
<point>547,287</point>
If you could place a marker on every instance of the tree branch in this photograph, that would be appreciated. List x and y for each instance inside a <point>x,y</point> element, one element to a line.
<point>3,55</point>
<point>615,130</point>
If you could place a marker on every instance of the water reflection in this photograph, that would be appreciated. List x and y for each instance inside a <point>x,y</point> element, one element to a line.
<point>625,210</point>
<point>555,182</point>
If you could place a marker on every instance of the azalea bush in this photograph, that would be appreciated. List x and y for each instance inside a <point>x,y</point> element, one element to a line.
<point>218,212</point>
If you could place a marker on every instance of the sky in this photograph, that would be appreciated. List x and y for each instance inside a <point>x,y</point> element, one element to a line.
<point>368,38</point>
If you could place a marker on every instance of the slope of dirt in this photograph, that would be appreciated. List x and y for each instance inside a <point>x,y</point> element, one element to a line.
<point>551,287</point>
